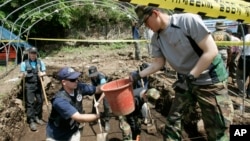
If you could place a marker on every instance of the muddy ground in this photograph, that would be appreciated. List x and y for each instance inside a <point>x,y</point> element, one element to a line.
<point>115,63</point>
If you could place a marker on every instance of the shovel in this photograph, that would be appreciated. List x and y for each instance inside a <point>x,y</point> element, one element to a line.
<point>101,136</point>
<point>151,126</point>
<point>43,89</point>
<point>44,94</point>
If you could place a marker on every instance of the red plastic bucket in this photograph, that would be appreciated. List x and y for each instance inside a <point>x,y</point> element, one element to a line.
<point>119,94</point>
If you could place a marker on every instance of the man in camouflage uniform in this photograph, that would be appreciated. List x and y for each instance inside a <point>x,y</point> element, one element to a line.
<point>186,44</point>
<point>220,34</point>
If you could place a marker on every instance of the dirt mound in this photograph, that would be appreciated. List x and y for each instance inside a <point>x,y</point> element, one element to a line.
<point>115,63</point>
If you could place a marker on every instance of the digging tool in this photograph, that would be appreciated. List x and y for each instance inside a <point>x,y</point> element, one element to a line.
<point>23,91</point>
<point>23,79</point>
<point>151,126</point>
<point>44,93</point>
<point>43,89</point>
<point>101,136</point>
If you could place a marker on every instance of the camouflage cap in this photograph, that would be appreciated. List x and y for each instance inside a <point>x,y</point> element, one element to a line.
<point>220,25</point>
<point>153,93</point>
<point>142,12</point>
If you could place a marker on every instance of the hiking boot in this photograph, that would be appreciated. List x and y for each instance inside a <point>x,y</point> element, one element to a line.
<point>107,127</point>
<point>39,121</point>
<point>33,126</point>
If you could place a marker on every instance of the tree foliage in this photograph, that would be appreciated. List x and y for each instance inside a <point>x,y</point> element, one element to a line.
<point>40,16</point>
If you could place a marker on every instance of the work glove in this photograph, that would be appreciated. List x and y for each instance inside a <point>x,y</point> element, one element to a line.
<point>134,76</point>
<point>183,83</point>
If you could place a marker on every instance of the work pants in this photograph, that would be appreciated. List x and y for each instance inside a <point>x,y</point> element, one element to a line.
<point>232,65</point>
<point>216,108</point>
<point>34,101</point>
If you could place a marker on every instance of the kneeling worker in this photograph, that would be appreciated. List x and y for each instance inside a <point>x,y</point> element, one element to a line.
<point>131,127</point>
<point>65,116</point>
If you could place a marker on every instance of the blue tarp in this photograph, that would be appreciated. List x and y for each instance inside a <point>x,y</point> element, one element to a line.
<point>7,35</point>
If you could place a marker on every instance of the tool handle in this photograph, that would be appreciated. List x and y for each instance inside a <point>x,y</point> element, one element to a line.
<point>142,82</point>
<point>41,80</point>
<point>149,111</point>
<point>99,120</point>
<point>44,93</point>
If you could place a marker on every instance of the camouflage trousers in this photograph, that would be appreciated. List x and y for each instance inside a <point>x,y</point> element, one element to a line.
<point>131,127</point>
<point>232,66</point>
<point>216,108</point>
<point>126,130</point>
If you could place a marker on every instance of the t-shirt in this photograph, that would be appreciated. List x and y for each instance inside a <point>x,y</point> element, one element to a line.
<point>235,49</point>
<point>99,80</point>
<point>33,65</point>
<point>173,44</point>
<point>66,110</point>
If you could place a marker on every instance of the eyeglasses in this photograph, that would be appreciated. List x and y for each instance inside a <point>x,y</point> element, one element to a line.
<point>72,80</point>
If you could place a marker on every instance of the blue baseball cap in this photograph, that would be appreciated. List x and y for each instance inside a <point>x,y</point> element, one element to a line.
<point>68,73</point>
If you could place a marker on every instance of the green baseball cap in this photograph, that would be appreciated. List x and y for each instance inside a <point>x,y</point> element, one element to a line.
<point>143,12</point>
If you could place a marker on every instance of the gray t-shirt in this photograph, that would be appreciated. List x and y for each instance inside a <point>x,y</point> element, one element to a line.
<point>174,45</point>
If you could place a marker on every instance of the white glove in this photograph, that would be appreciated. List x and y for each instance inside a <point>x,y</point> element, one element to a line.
<point>96,104</point>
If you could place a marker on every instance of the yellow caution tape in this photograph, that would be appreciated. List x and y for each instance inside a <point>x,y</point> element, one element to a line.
<point>219,43</point>
<point>234,2</point>
<point>232,10</point>
<point>7,41</point>
<point>231,43</point>
<point>88,40</point>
